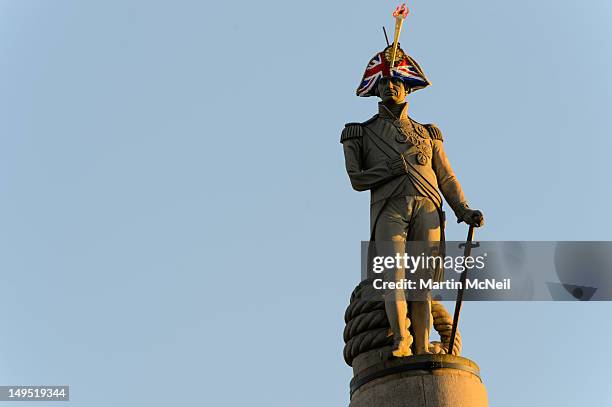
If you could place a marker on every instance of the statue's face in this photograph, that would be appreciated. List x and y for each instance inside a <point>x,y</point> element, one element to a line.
<point>391,90</point>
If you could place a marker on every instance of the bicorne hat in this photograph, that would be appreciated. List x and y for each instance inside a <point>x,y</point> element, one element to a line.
<point>405,68</point>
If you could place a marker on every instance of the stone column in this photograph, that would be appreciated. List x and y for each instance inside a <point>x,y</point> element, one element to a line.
<point>416,381</point>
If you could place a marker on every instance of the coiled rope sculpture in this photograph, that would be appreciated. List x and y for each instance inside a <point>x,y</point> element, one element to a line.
<point>367,327</point>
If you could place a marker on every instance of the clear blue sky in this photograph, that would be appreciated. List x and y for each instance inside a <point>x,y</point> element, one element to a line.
<point>176,226</point>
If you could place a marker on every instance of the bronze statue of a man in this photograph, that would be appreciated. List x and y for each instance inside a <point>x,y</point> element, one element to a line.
<point>404,165</point>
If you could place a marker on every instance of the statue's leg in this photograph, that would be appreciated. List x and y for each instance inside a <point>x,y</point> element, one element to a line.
<point>397,310</point>
<point>390,237</point>
<point>420,314</point>
<point>424,231</point>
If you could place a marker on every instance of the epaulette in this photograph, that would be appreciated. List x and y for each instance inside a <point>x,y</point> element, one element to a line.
<point>355,130</point>
<point>434,132</point>
<point>351,130</point>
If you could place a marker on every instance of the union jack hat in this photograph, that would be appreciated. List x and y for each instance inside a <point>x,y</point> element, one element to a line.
<point>404,68</point>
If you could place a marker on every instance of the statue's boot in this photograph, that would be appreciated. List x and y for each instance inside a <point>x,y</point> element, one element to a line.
<point>420,318</point>
<point>396,313</point>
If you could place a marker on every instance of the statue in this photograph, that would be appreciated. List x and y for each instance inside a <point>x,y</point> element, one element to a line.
<point>404,165</point>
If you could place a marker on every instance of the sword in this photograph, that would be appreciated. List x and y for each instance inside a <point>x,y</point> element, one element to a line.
<point>467,250</point>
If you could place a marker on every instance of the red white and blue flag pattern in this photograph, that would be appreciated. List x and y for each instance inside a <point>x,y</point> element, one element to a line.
<point>407,69</point>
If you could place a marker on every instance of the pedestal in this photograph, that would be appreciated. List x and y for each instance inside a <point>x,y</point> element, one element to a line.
<point>416,381</point>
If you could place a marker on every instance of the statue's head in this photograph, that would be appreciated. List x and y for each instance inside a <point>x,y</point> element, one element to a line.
<point>391,90</point>
<point>380,75</point>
